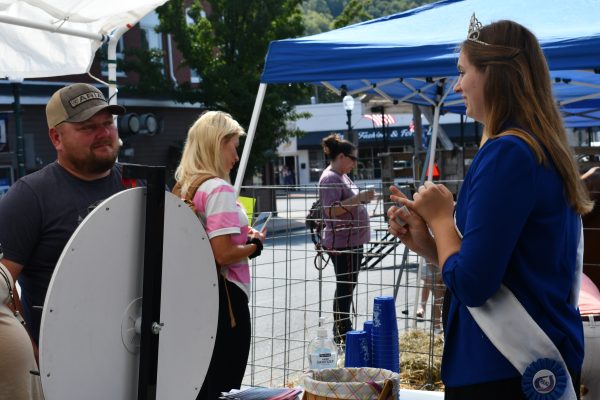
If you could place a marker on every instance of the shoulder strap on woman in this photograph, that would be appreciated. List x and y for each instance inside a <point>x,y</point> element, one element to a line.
<point>191,192</point>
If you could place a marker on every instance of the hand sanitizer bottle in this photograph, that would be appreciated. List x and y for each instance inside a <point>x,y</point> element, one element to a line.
<point>322,350</point>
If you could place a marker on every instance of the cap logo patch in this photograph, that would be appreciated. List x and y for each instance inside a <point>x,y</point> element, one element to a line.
<point>86,97</point>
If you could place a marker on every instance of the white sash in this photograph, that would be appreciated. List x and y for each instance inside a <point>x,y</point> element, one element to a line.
<point>519,338</point>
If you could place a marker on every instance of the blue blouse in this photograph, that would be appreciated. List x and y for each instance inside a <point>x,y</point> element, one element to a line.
<point>518,229</point>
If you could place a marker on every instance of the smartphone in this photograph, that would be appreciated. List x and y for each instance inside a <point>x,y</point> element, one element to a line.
<point>399,220</point>
<point>261,221</point>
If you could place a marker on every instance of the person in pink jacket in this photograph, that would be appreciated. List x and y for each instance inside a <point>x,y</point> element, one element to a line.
<point>589,308</point>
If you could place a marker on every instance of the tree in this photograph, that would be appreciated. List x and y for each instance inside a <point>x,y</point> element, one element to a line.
<point>226,42</point>
<point>147,66</point>
<point>315,22</point>
<point>381,8</point>
<point>324,15</point>
<point>353,12</point>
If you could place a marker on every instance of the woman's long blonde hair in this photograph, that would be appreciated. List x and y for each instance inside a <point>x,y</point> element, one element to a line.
<point>518,94</point>
<point>202,151</point>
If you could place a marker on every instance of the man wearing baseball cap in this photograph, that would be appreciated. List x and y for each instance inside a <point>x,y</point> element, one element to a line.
<point>41,210</point>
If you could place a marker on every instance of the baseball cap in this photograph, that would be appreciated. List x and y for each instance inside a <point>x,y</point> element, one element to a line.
<point>77,103</point>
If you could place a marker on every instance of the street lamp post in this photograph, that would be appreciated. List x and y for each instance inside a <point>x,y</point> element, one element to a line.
<point>349,106</point>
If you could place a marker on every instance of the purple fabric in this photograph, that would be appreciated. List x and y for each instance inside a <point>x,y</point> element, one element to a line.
<point>350,229</point>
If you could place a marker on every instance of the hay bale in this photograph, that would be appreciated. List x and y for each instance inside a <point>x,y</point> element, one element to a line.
<point>420,360</point>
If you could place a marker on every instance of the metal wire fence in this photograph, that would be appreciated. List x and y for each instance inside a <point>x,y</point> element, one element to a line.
<point>294,284</point>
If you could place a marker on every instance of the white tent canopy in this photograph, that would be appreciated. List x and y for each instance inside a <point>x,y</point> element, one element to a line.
<point>33,52</point>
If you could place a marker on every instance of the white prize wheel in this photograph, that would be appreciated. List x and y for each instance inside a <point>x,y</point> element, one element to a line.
<point>89,338</point>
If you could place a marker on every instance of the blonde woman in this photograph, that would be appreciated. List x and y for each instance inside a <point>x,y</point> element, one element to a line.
<point>209,154</point>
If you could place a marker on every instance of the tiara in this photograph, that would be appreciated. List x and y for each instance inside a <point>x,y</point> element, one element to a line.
<point>474,28</point>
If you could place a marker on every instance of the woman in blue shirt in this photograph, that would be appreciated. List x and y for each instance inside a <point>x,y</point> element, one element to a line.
<point>518,212</point>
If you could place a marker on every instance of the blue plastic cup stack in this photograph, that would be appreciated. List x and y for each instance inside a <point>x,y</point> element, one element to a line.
<point>368,327</point>
<point>357,350</point>
<point>384,335</point>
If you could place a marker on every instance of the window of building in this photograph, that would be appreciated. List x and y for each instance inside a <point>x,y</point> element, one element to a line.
<point>194,75</point>
<point>369,167</point>
<point>317,163</point>
<point>150,38</point>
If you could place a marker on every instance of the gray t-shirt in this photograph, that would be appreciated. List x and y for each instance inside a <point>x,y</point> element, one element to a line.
<point>38,215</point>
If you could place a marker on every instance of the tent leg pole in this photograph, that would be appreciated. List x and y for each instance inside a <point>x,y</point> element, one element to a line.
<point>112,63</point>
<point>250,137</point>
<point>434,134</point>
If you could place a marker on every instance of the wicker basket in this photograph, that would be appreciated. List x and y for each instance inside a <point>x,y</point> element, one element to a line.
<point>351,384</point>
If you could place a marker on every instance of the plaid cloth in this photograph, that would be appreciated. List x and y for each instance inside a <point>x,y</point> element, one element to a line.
<point>350,383</point>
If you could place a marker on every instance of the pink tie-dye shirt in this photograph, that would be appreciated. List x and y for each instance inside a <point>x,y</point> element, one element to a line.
<point>221,214</point>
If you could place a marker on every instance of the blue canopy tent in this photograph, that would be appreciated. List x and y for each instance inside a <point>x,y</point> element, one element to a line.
<point>582,117</point>
<point>411,56</point>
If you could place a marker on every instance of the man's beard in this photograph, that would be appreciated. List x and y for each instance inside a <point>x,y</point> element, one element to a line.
<point>94,165</point>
